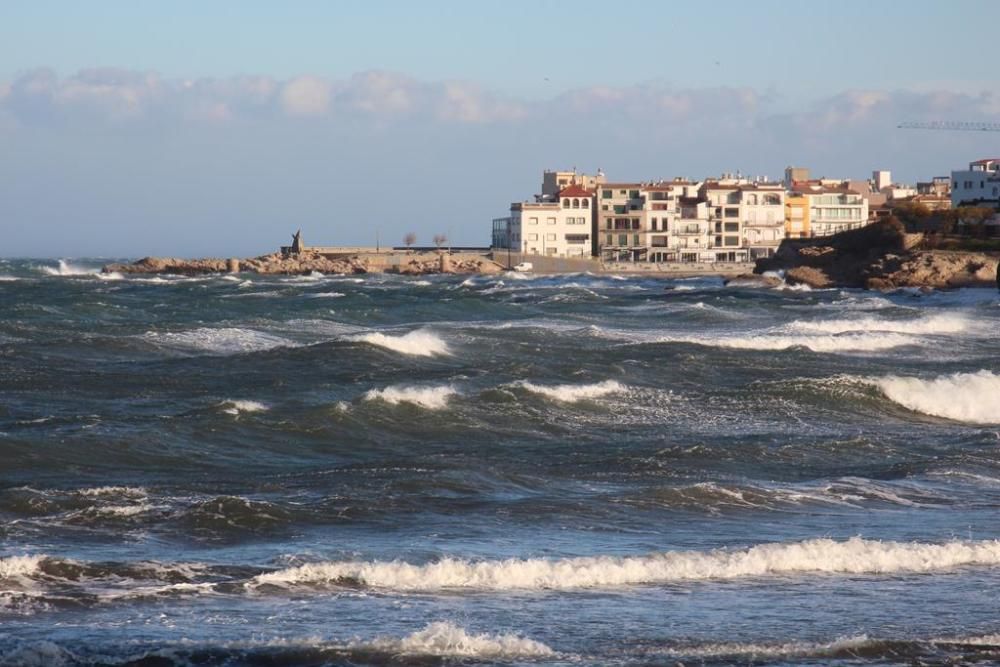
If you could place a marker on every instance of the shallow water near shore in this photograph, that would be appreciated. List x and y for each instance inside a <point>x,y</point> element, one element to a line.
<point>515,469</point>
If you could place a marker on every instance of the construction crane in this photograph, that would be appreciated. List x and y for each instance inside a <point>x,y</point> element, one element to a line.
<point>951,125</point>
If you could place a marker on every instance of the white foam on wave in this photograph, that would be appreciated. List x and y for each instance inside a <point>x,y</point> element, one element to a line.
<point>114,275</point>
<point>122,491</point>
<point>966,397</point>
<point>419,343</point>
<point>19,566</point>
<point>432,398</point>
<point>8,279</point>
<point>933,324</point>
<point>847,342</point>
<point>231,407</point>
<point>326,295</point>
<point>225,340</point>
<point>64,268</point>
<point>449,640</point>
<point>817,556</point>
<point>571,393</point>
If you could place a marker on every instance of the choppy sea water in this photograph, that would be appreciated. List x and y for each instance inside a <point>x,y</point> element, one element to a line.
<point>573,470</point>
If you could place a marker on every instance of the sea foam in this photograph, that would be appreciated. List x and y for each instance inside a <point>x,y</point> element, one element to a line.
<point>847,342</point>
<point>448,640</point>
<point>575,392</point>
<point>432,398</point>
<point>226,340</point>
<point>934,324</point>
<point>419,343</point>
<point>818,556</point>
<point>966,397</point>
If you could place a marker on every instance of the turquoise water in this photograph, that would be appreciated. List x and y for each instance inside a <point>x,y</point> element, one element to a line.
<point>516,469</point>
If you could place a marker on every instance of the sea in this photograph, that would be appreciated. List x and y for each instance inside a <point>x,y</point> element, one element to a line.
<point>516,469</point>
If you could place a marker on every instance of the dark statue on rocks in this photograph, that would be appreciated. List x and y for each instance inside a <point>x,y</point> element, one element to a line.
<point>297,245</point>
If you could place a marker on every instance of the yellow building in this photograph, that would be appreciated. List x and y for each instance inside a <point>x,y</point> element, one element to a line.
<point>797,216</point>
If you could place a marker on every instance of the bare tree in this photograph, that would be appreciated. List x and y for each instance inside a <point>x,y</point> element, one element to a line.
<point>409,239</point>
<point>440,240</point>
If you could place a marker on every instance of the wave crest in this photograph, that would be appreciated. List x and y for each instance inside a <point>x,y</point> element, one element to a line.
<point>933,324</point>
<point>419,343</point>
<point>432,398</point>
<point>966,397</point>
<point>818,556</point>
<point>226,340</point>
<point>571,393</point>
<point>448,640</point>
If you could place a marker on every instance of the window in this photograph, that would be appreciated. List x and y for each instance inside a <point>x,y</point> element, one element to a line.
<point>586,203</point>
<point>551,221</point>
<point>577,238</point>
<point>550,237</point>
<point>633,194</point>
<point>608,240</point>
<point>653,224</point>
<point>732,226</point>
<point>565,203</point>
<point>605,194</point>
<point>623,239</point>
<point>604,207</point>
<point>532,221</point>
<point>635,239</point>
<point>635,223</point>
<point>732,240</point>
<point>531,237</point>
<point>576,203</point>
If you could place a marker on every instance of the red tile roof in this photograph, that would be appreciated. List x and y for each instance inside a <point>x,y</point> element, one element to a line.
<point>574,190</point>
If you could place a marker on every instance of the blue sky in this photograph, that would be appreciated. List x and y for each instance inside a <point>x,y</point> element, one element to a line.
<point>217,128</point>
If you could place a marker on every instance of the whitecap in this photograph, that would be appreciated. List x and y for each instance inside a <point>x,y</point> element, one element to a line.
<point>20,566</point>
<point>575,392</point>
<point>965,397</point>
<point>847,342</point>
<point>237,407</point>
<point>432,398</point>
<point>419,343</point>
<point>934,324</point>
<point>124,491</point>
<point>855,556</point>
<point>448,640</point>
<point>326,295</point>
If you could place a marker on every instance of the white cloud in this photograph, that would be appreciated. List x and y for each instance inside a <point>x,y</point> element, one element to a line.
<point>306,96</point>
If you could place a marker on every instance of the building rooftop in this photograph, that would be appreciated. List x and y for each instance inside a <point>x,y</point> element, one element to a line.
<point>575,190</point>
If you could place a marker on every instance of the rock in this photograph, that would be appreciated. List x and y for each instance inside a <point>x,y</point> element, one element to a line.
<point>753,280</point>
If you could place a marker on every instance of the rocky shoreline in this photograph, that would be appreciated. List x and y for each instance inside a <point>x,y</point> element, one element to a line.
<point>307,262</point>
<point>880,256</point>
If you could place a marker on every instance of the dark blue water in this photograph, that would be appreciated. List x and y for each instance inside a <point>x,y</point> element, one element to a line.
<point>583,470</point>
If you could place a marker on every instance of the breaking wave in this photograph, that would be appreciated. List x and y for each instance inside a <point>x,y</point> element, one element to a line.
<point>419,343</point>
<point>20,566</point>
<point>934,324</point>
<point>570,393</point>
<point>432,398</point>
<point>818,556</point>
<point>226,340</point>
<point>966,397</point>
<point>448,640</point>
<point>846,342</point>
<point>238,407</point>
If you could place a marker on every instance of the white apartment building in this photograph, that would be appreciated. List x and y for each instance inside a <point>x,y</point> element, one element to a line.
<point>762,212</point>
<point>979,185</point>
<point>724,215</point>
<point>560,228</point>
<point>621,222</point>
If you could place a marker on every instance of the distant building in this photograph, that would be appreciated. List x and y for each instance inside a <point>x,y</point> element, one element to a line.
<point>881,179</point>
<point>554,181</point>
<point>939,185</point>
<point>797,216</point>
<point>795,175</point>
<point>558,228</point>
<point>621,222</point>
<point>979,185</point>
<point>833,209</point>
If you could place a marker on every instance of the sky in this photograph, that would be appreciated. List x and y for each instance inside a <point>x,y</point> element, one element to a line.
<point>193,128</point>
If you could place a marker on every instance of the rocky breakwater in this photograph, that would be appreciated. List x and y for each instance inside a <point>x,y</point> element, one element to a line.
<point>307,262</point>
<point>879,256</point>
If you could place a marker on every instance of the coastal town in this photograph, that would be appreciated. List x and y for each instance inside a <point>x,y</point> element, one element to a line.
<point>730,219</point>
